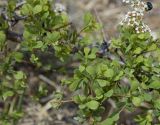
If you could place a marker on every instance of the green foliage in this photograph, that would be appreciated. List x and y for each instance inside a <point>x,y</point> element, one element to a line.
<point>130,80</point>
<point>102,79</point>
<point>111,120</point>
<point>2,39</point>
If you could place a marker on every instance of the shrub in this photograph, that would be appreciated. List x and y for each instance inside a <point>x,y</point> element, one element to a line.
<point>116,81</point>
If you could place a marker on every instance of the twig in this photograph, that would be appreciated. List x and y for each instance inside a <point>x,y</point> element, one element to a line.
<point>144,52</point>
<point>60,27</point>
<point>105,37</point>
<point>48,81</point>
<point>105,43</point>
<point>20,101</point>
<point>67,101</point>
<point>120,57</point>
<point>16,19</point>
<point>48,105</point>
<point>46,99</point>
<point>20,5</point>
<point>83,29</point>
<point>12,105</point>
<point>15,37</point>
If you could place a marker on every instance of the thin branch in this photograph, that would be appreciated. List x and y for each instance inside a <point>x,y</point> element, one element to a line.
<point>60,27</point>
<point>67,101</point>
<point>48,81</point>
<point>18,5</point>
<point>16,37</point>
<point>105,37</point>
<point>16,19</point>
<point>145,52</point>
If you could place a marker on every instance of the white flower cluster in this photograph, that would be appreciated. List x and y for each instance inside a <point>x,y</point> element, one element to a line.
<point>126,1</point>
<point>59,8</point>
<point>134,17</point>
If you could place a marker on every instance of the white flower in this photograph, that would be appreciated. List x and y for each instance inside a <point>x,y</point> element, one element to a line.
<point>59,8</point>
<point>138,30</point>
<point>126,1</point>
<point>121,23</point>
<point>134,17</point>
<point>138,5</point>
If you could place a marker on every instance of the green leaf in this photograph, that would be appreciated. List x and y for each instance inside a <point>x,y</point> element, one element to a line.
<point>109,73</point>
<point>118,77</point>
<point>102,82</point>
<point>152,47</point>
<point>74,85</point>
<point>144,36</point>
<point>2,39</point>
<point>2,36</point>
<point>26,9</point>
<point>53,37</point>
<point>155,84</point>
<point>90,70</point>
<point>110,120</point>
<point>11,5</point>
<point>19,75</point>
<point>90,23</point>
<point>65,18</point>
<point>42,2</point>
<point>86,51</point>
<point>157,104</point>
<point>37,9</point>
<point>138,50</point>
<point>128,48</point>
<point>87,18</point>
<point>116,43</point>
<point>7,94</point>
<point>92,104</point>
<point>92,56</point>
<point>147,97</point>
<point>108,94</point>
<point>82,106</point>
<point>27,35</point>
<point>99,92</point>
<point>134,84</point>
<point>141,36</point>
<point>45,8</point>
<point>39,44</point>
<point>139,59</point>
<point>18,56</point>
<point>101,68</point>
<point>81,68</point>
<point>136,101</point>
<point>77,99</point>
<point>34,58</point>
<point>86,40</point>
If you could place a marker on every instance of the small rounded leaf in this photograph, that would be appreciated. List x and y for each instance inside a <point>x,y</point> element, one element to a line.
<point>136,101</point>
<point>92,105</point>
<point>37,9</point>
